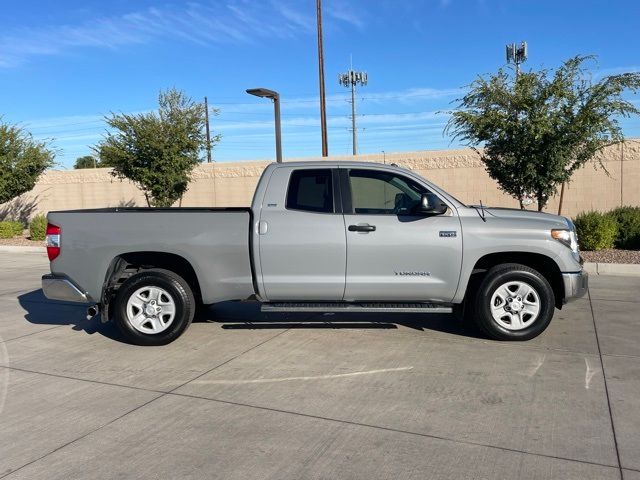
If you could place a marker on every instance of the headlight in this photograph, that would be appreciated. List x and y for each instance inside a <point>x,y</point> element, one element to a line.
<point>567,238</point>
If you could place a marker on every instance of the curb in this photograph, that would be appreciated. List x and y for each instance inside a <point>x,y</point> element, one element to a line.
<point>22,249</point>
<point>612,268</point>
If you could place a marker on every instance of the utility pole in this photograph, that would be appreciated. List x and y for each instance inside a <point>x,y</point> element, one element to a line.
<point>351,79</point>
<point>517,55</point>
<point>206,120</point>
<point>323,103</point>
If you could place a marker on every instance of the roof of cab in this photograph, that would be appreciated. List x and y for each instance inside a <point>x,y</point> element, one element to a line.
<point>333,163</point>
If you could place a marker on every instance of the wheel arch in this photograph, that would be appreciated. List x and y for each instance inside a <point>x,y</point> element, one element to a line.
<point>547,267</point>
<point>124,265</point>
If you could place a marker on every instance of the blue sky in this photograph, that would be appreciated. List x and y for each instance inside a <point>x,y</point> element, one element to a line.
<point>65,64</point>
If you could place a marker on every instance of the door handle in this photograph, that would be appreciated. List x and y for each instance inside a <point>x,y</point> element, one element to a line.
<point>362,228</point>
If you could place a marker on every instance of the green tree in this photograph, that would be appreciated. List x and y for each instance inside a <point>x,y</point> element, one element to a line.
<point>22,161</point>
<point>537,129</point>
<point>157,150</point>
<point>88,161</point>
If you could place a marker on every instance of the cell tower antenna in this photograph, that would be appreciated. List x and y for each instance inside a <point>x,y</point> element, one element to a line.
<point>517,55</point>
<point>351,79</point>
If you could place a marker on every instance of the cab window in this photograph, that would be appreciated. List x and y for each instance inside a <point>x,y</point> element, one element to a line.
<point>383,193</point>
<point>311,190</point>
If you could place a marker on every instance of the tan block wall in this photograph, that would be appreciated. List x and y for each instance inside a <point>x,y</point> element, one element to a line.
<point>460,172</point>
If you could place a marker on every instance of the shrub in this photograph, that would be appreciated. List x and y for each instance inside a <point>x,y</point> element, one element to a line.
<point>628,220</point>
<point>5,230</point>
<point>596,230</point>
<point>38,227</point>
<point>9,229</point>
<point>18,227</point>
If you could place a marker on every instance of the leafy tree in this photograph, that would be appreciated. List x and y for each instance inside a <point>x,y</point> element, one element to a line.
<point>88,161</point>
<point>537,129</point>
<point>157,150</point>
<point>22,161</point>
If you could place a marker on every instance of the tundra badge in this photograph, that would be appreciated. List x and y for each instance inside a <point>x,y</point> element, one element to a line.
<point>413,274</point>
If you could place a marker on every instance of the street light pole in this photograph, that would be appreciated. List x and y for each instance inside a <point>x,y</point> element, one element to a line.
<point>275,97</point>
<point>276,112</point>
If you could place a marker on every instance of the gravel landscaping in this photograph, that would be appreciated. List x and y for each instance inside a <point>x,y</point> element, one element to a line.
<point>23,241</point>
<point>612,255</point>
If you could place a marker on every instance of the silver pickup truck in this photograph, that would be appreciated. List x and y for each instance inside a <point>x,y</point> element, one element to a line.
<point>319,237</point>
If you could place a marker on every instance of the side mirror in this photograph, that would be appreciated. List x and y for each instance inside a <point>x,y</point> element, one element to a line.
<point>431,204</point>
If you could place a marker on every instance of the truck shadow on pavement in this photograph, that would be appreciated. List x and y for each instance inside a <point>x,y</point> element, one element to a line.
<point>243,316</point>
<point>42,311</point>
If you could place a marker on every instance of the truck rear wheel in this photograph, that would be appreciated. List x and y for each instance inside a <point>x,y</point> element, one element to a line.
<point>154,307</point>
<point>514,302</point>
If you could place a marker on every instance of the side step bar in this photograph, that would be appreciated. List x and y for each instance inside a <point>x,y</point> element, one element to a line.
<point>356,307</point>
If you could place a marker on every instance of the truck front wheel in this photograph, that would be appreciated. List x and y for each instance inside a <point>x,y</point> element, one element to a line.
<point>154,307</point>
<point>514,302</point>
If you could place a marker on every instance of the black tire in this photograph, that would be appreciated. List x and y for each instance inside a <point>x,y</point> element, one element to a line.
<point>498,276</point>
<point>175,286</point>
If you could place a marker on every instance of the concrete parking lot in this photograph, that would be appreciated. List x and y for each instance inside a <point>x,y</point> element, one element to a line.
<point>244,396</point>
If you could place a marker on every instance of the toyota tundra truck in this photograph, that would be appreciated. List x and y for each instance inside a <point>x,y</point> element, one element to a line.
<point>319,237</point>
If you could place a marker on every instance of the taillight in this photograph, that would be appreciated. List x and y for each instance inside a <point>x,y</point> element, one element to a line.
<point>53,241</point>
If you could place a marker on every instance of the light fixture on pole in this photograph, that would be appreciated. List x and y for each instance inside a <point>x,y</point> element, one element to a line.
<point>351,79</point>
<point>275,97</point>
<point>517,55</point>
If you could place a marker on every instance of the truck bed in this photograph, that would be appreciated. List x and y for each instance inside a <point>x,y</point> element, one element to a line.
<point>215,241</point>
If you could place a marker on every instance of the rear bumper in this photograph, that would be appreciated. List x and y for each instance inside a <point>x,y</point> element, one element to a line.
<point>575,285</point>
<point>58,287</point>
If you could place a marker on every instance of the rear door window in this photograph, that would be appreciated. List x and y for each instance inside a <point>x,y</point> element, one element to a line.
<point>311,190</point>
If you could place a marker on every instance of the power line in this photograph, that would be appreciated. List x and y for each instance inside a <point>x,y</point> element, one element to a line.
<point>54,128</point>
<point>338,98</point>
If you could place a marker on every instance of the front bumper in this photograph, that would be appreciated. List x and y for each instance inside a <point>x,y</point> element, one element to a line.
<point>575,285</point>
<point>58,287</point>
